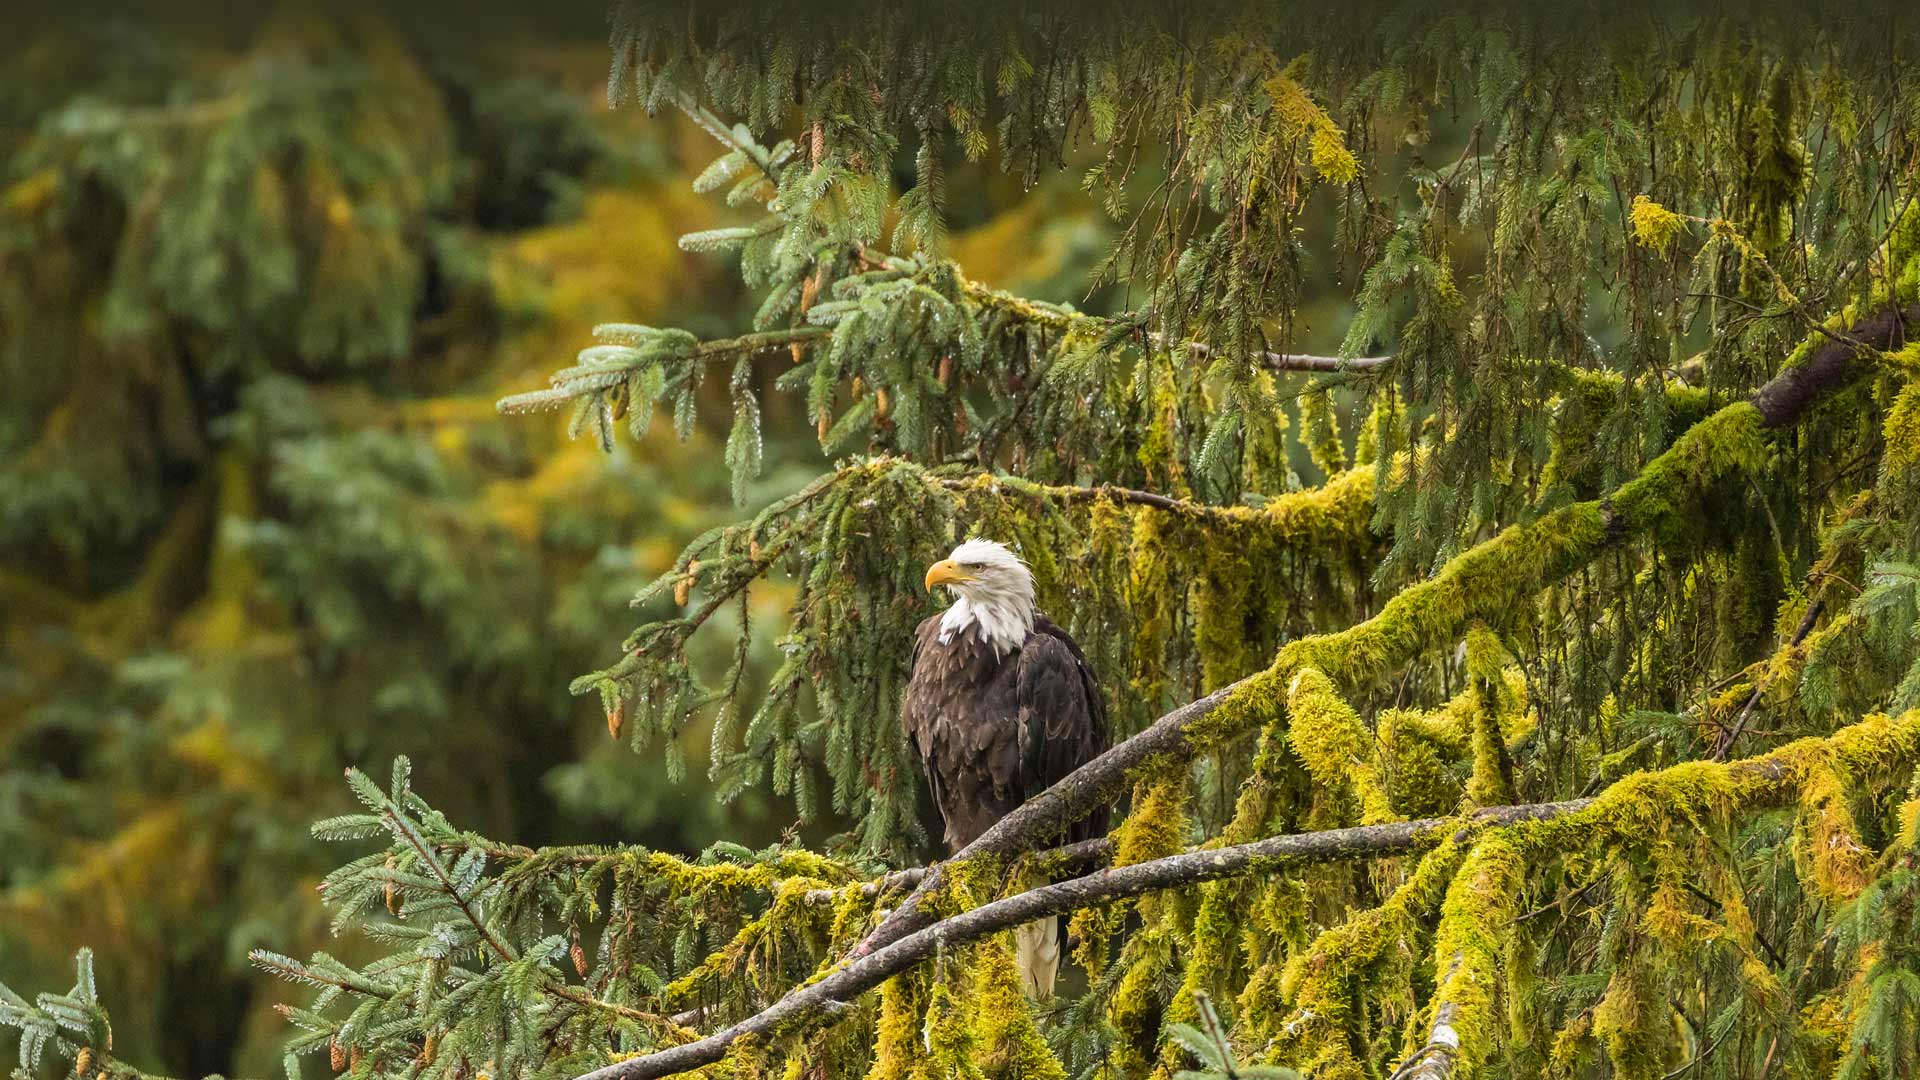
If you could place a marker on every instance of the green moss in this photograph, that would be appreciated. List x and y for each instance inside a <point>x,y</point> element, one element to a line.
<point>1320,431</point>
<point>948,1050</point>
<point>1493,698</point>
<point>1334,990</point>
<point>1156,825</point>
<point>1634,1022</point>
<point>1488,582</point>
<point>1423,783</point>
<point>1828,849</point>
<point>896,1038</point>
<point>1476,921</point>
<point>1660,501</point>
<point>1139,999</point>
<point>1659,811</point>
<point>1006,1042</point>
<point>1224,580</point>
<point>1899,486</point>
<point>1253,807</point>
<point>1212,947</point>
<point>1903,246</point>
<point>1337,750</point>
<point>1152,600</point>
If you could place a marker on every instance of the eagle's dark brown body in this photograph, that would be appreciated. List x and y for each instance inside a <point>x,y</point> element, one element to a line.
<point>993,731</point>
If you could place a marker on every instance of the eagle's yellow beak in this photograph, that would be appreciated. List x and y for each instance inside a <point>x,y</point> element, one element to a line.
<point>944,572</point>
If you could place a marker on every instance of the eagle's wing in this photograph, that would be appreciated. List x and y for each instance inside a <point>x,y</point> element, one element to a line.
<point>917,717</point>
<point>1063,719</point>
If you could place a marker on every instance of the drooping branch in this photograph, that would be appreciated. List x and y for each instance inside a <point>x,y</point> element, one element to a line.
<point>1481,583</point>
<point>572,383</point>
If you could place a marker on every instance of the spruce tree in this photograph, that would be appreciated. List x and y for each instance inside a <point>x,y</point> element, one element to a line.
<point>1527,685</point>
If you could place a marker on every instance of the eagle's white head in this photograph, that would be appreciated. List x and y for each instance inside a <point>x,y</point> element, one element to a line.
<point>992,588</point>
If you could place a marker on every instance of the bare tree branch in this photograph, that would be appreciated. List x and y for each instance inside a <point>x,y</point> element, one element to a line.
<point>1739,727</point>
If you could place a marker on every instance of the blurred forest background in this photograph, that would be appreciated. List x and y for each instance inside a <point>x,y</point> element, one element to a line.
<point>263,275</point>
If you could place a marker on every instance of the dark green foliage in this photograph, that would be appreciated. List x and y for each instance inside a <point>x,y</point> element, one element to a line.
<point>261,519</point>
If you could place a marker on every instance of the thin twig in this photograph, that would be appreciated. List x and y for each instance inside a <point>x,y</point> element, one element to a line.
<point>1760,685</point>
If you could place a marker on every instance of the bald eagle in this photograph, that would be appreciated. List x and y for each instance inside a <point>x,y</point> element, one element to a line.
<point>1001,704</point>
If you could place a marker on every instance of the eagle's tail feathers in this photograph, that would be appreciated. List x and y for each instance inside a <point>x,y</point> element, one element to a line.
<point>1036,952</point>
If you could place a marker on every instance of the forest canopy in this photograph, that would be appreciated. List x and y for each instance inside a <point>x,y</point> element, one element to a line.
<point>1478,455</point>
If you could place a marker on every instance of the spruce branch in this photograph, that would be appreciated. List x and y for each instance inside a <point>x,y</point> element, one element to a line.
<point>463,901</point>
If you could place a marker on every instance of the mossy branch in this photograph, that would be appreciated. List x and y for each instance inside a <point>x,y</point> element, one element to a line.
<point>1483,583</point>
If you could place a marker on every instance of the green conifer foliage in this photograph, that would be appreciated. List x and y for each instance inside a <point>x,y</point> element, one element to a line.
<point>258,291</point>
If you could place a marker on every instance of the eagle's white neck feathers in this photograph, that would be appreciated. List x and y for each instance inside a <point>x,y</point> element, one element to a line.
<point>998,598</point>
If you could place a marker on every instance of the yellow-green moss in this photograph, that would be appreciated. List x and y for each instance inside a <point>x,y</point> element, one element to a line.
<point>1211,948</point>
<point>1633,1020</point>
<point>1660,500</point>
<point>1654,225</point>
<point>1151,602</point>
<point>1828,849</point>
<point>1476,919</point>
<point>1219,602</point>
<point>1253,806</point>
<point>1320,432</point>
<point>896,1038</point>
<point>1006,1041</point>
<point>1138,1001</point>
<point>1652,811</point>
<point>947,1039</point>
<point>1156,824</point>
<point>1900,462</point>
<point>1319,1028</point>
<point>789,912</point>
<point>1494,697</point>
<point>1336,749</point>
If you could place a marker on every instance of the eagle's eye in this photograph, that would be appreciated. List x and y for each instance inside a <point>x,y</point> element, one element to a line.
<point>972,566</point>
